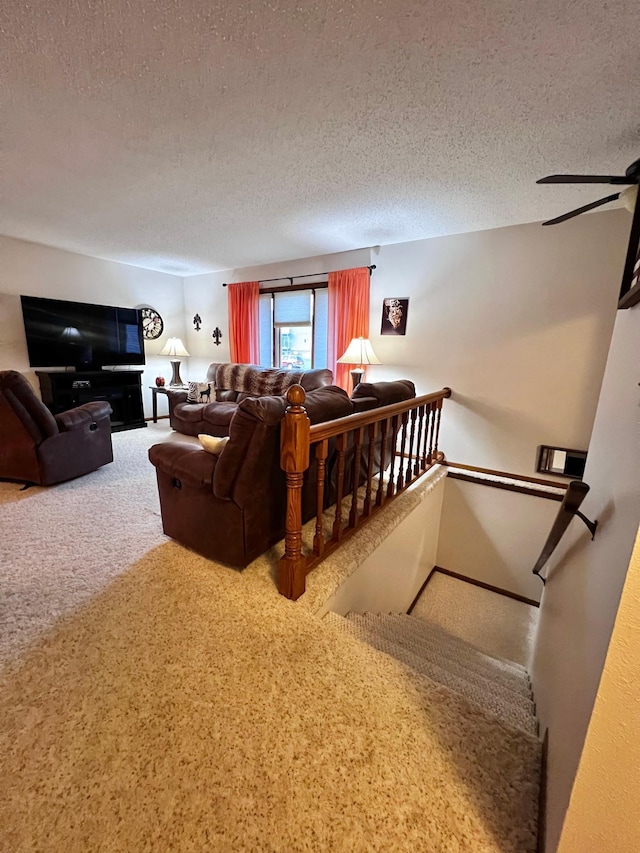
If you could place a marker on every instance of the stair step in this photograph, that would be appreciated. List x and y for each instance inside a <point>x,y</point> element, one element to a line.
<point>424,685</point>
<point>416,633</point>
<point>438,655</point>
<point>518,715</point>
<point>424,625</point>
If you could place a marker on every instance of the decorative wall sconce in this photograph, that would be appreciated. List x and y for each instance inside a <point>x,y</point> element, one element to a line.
<point>197,322</point>
<point>217,336</point>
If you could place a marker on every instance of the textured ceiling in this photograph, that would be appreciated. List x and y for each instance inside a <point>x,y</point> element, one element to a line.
<point>187,137</point>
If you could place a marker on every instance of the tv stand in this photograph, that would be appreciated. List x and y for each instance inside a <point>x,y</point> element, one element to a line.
<point>122,389</point>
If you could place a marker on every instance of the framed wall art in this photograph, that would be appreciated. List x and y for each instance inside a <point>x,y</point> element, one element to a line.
<point>394,316</point>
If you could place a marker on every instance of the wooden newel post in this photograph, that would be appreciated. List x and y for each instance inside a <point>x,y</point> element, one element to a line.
<point>294,461</point>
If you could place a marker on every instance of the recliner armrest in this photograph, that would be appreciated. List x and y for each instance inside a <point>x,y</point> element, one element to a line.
<point>83,415</point>
<point>177,396</point>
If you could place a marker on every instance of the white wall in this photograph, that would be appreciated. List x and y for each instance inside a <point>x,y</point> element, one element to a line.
<point>34,270</point>
<point>585,578</point>
<point>517,321</point>
<point>603,811</point>
<point>494,536</point>
<point>389,579</point>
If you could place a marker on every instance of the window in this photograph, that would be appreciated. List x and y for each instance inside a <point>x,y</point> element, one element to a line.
<point>293,327</point>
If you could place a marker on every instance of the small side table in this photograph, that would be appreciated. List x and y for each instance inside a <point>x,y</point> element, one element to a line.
<point>162,389</point>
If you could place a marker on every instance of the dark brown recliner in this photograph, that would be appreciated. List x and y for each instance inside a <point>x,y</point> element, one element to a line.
<point>36,447</point>
<point>232,507</point>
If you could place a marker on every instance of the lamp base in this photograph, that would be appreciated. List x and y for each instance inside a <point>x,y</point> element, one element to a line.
<point>356,376</point>
<point>175,379</point>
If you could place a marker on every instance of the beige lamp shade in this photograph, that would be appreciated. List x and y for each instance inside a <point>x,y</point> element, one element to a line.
<point>359,352</point>
<point>173,347</point>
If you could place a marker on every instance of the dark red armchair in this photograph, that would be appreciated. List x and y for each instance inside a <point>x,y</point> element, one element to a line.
<point>36,447</point>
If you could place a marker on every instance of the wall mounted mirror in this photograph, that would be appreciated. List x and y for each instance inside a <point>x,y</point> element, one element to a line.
<point>561,460</point>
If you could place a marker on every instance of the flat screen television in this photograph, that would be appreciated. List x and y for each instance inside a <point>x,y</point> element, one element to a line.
<point>81,335</point>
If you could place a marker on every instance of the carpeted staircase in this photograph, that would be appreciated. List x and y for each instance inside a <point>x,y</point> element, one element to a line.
<point>502,688</point>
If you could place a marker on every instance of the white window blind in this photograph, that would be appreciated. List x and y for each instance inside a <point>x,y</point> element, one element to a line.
<point>265,327</point>
<point>320,336</point>
<point>292,309</point>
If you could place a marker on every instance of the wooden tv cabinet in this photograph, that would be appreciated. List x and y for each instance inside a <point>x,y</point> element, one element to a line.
<point>61,391</point>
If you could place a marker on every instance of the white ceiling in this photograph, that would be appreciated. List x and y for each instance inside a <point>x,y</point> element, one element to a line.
<point>186,137</point>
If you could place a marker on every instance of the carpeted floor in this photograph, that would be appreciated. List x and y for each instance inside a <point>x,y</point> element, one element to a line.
<point>155,701</point>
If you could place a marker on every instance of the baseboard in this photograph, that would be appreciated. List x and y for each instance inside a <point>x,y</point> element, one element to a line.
<point>483,585</point>
<point>420,591</point>
<point>542,798</point>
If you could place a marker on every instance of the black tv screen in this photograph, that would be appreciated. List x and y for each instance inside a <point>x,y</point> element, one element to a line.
<point>81,335</point>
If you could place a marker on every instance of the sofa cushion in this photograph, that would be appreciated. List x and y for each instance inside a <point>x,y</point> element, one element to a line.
<point>199,392</point>
<point>214,413</point>
<point>213,444</point>
<point>327,404</point>
<point>386,393</point>
<point>219,414</point>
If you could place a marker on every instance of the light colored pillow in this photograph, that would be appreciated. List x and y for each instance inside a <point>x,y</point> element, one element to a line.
<point>199,392</point>
<point>212,444</point>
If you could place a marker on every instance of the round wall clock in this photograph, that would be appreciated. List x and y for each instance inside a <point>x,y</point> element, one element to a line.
<point>152,324</point>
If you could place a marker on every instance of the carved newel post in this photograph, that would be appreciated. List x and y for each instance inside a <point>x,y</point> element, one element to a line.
<point>294,461</point>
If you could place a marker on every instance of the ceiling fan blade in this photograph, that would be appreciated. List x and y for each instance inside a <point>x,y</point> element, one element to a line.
<point>586,179</point>
<point>580,210</point>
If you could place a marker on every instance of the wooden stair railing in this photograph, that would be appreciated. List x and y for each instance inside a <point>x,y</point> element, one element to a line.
<point>407,434</point>
<point>576,492</point>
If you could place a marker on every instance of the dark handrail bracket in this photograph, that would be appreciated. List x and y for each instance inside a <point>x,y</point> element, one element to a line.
<point>576,493</point>
<point>592,525</point>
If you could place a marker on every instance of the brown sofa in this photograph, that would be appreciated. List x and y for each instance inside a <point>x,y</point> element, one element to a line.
<point>231,508</point>
<point>38,447</point>
<point>229,382</point>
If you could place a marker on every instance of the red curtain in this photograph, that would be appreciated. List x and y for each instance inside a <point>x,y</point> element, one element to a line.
<point>244,341</point>
<point>348,318</point>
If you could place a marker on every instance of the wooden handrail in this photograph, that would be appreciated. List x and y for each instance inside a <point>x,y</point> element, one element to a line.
<point>570,506</point>
<point>406,436</point>
<point>327,429</point>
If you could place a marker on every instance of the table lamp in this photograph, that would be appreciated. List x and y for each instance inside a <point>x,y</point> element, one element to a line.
<point>359,352</point>
<point>174,347</point>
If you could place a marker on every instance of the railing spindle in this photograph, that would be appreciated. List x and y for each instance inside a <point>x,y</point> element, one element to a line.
<point>366,509</point>
<point>435,443</point>
<point>321,460</point>
<point>357,445</point>
<point>337,524</point>
<point>419,464</point>
<point>409,475</point>
<point>403,446</point>
<point>431,422</point>
<point>394,453</point>
<point>383,455</point>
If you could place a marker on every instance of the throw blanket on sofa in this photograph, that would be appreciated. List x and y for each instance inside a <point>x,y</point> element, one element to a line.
<point>256,381</point>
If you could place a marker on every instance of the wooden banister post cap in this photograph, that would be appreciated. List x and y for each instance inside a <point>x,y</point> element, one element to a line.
<point>296,395</point>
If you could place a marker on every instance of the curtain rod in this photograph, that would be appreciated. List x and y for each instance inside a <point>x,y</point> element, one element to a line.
<point>291,277</point>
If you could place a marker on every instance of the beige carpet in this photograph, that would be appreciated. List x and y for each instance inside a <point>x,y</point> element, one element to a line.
<point>155,701</point>
<point>494,623</point>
